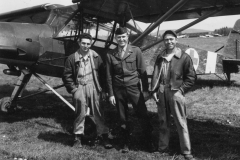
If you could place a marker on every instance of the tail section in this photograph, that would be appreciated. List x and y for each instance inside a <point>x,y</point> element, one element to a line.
<point>232,51</point>
<point>232,48</point>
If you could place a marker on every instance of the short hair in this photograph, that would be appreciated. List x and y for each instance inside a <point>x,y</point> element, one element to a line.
<point>169,32</point>
<point>85,35</point>
<point>121,30</point>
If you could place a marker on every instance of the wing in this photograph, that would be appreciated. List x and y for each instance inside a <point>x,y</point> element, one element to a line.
<point>148,11</point>
<point>37,14</point>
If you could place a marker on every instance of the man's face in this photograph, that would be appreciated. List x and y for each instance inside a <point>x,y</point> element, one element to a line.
<point>122,39</point>
<point>170,41</point>
<point>85,44</point>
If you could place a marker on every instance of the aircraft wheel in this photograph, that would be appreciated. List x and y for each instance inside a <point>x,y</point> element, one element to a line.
<point>5,104</point>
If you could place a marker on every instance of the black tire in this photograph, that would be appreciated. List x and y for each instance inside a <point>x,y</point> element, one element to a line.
<point>5,104</point>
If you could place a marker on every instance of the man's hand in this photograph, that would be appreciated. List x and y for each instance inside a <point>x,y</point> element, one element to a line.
<point>155,97</point>
<point>146,96</point>
<point>103,96</point>
<point>112,100</point>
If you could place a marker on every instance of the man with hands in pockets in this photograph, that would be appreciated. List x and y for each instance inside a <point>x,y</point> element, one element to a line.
<point>84,78</point>
<point>173,76</point>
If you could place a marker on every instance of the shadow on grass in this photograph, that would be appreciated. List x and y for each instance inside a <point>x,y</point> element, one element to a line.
<point>209,140</point>
<point>213,140</point>
<point>46,105</point>
<point>200,83</point>
<point>57,137</point>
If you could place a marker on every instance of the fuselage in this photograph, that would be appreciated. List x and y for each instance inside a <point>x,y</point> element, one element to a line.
<point>32,46</point>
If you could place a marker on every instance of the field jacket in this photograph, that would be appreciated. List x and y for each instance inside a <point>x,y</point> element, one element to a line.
<point>71,69</point>
<point>182,73</point>
<point>126,71</point>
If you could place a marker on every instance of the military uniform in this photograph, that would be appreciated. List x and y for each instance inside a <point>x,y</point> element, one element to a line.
<point>123,81</point>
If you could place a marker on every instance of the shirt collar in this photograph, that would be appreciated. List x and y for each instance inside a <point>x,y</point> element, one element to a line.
<point>177,53</point>
<point>168,57</point>
<point>78,56</point>
<point>124,49</point>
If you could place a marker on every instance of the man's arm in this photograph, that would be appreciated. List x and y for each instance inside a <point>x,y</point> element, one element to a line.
<point>102,74</point>
<point>156,75</point>
<point>142,70</point>
<point>109,75</point>
<point>68,78</point>
<point>189,75</point>
<point>155,80</point>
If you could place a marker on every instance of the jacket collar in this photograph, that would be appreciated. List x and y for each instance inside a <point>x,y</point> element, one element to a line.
<point>78,56</point>
<point>128,52</point>
<point>177,52</point>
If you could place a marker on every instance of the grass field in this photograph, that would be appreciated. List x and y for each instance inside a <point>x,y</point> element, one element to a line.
<point>43,129</point>
<point>209,44</point>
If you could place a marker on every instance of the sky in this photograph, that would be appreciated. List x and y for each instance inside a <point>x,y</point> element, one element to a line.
<point>210,24</point>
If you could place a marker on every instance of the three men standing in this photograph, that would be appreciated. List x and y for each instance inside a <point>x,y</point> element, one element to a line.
<point>84,78</point>
<point>173,76</point>
<point>125,68</point>
<point>126,74</point>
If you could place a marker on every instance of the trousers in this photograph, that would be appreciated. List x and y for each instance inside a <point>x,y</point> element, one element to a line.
<point>173,102</point>
<point>87,96</point>
<point>134,95</point>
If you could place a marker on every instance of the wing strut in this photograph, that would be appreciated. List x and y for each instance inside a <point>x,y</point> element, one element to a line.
<point>59,96</point>
<point>132,16</point>
<point>161,19</point>
<point>186,26</point>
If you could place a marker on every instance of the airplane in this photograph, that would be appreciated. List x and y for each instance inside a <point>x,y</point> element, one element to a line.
<point>217,35</point>
<point>209,36</point>
<point>202,36</point>
<point>182,36</point>
<point>37,40</point>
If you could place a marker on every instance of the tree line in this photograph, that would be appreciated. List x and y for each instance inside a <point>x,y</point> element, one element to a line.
<point>223,31</point>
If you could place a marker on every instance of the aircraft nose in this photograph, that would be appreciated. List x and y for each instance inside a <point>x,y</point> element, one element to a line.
<point>14,46</point>
<point>7,42</point>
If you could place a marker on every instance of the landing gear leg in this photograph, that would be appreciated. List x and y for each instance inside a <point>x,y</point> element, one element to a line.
<point>9,104</point>
<point>228,76</point>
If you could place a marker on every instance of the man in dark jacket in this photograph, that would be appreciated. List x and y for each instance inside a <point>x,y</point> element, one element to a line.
<point>125,67</point>
<point>173,76</point>
<point>83,77</point>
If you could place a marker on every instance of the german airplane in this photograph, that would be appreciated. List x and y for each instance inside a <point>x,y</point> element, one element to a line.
<point>37,40</point>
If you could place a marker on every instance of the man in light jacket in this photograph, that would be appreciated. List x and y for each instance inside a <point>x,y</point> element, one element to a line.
<point>84,78</point>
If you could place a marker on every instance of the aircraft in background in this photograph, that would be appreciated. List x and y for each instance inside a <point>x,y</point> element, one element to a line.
<point>209,35</point>
<point>37,40</point>
<point>202,36</point>
<point>217,35</point>
<point>182,36</point>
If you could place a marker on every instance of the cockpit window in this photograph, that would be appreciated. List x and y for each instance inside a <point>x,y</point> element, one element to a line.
<point>68,24</point>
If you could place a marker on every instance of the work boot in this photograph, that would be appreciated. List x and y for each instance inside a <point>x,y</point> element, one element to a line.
<point>125,148</point>
<point>150,146</point>
<point>106,142</point>
<point>189,157</point>
<point>125,140</point>
<point>77,143</point>
<point>164,152</point>
<point>148,140</point>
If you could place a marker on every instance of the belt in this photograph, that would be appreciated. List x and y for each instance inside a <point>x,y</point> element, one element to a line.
<point>84,82</point>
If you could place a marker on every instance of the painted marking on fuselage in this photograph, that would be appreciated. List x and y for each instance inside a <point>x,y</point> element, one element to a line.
<point>195,57</point>
<point>211,62</point>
